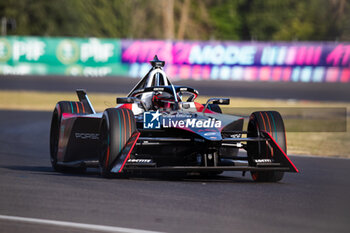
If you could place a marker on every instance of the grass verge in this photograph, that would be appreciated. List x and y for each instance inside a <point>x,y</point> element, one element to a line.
<point>335,144</point>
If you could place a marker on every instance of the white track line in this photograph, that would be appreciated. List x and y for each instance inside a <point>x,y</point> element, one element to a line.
<point>81,226</point>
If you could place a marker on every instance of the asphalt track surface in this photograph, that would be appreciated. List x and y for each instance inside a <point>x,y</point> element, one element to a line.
<point>315,200</point>
<point>268,90</point>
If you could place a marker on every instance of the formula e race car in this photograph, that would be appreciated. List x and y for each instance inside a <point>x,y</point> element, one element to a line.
<point>158,127</point>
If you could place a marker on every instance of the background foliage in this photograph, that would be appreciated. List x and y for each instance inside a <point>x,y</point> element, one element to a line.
<point>326,20</point>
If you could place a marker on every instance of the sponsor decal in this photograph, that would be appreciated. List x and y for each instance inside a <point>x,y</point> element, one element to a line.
<point>191,123</point>
<point>16,70</point>
<point>158,89</point>
<point>31,50</point>
<point>222,55</point>
<point>154,120</point>
<point>68,52</point>
<point>94,49</point>
<point>210,134</point>
<point>74,70</point>
<point>139,160</point>
<point>236,135</point>
<point>88,71</point>
<point>263,160</point>
<point>257,61</point>
<point>151,120</point>
<point>92,136</point>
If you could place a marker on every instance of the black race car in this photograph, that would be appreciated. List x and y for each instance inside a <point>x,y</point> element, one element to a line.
<point>159,127</point>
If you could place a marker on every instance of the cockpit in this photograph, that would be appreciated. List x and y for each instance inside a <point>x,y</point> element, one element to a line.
<point>156,92</point>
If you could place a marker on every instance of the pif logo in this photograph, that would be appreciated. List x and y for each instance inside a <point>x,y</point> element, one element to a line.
<point>151,120</point>
<point>93,136</point>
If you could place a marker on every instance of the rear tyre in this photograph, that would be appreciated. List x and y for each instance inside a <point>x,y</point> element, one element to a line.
<point>271,122</point>
<point>60,108</point>
<point>117,127</point>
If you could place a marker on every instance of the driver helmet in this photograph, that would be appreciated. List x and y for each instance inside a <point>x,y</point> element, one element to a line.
<point>163,101</point>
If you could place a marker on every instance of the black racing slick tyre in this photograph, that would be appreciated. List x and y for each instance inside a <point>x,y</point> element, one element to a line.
<point>117,126</point>
<point>271,122</point>
<point>60,108</point>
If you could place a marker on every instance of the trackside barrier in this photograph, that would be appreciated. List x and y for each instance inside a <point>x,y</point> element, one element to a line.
<point>61,56</point>
<point>215,60</point>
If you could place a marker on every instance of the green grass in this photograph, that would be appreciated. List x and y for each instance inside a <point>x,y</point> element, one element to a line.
<point>306,143</point>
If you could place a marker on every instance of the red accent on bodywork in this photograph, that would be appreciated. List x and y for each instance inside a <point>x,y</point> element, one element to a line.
<point>127,106</point>
<point>200,107</point>
<point>132,147</point>
<point>68,115</point>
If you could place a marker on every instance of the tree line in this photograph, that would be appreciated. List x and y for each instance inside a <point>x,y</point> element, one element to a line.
<point>260,20</point>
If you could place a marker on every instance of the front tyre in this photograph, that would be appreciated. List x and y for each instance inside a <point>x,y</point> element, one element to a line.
<point>272,123</point>
<point>116,128</point>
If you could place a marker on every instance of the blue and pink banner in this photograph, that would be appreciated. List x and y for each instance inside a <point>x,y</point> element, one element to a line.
<point>245,61</point>
<point>198,60</point>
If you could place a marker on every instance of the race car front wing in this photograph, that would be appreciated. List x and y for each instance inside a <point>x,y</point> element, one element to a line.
<point>280,161</point>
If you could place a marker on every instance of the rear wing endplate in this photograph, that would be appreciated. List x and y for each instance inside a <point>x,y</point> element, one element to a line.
<point>85,99</point>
